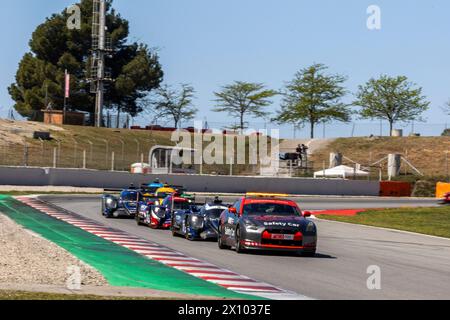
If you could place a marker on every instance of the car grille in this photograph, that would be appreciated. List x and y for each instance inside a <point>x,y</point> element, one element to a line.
<point>282,231</point>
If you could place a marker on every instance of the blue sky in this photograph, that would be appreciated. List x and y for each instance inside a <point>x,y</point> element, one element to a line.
<point>210,43</point>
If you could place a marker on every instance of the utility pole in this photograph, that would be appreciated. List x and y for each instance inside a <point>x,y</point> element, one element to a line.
<point>100,47</point>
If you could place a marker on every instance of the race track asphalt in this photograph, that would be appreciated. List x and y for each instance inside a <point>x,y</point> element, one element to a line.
<point>412,266</point>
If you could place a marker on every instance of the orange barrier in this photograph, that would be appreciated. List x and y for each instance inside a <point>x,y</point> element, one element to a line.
<point>395,189</point>
<point>442,189</point>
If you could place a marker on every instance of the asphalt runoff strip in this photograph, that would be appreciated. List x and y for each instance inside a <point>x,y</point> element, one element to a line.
<point>120,266</point>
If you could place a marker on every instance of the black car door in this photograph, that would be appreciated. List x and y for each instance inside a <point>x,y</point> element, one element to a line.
<point>231,223</point>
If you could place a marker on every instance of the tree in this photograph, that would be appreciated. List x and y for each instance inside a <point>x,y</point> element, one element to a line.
<point>313,97</point>
<point>244,98</point>
<point>446,108</point>
<point>391,98</point>
<point>174,103</point>
<point>54,48</point>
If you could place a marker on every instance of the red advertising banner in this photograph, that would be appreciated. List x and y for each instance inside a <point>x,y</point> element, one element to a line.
<point>67,87</point>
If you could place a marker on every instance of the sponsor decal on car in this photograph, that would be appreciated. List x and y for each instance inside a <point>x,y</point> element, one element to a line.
<point>281,224</point>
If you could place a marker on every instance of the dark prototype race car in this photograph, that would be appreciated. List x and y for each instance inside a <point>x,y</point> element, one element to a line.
<point>160,216</point>
<point>123,206</point>
<point>200,223</point>
<point>265,222</point>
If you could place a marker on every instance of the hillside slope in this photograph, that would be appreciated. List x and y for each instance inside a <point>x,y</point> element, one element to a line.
<point>17,147</point>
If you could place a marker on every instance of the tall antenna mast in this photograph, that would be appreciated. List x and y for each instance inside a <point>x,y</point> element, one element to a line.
<point>101,45</point>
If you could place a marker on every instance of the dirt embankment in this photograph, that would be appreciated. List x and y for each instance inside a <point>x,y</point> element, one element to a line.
<point>427,154</point>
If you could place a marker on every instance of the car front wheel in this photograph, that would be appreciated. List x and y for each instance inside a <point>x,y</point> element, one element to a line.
<point>239,248</point>
<point>222,246</point>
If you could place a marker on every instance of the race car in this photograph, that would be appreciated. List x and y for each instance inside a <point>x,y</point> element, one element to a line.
<point>182,193</point>
<point>153,187</point>
<point>198,224</point>
<point>162,193</point>
<point>123,206</point>
<point>147,199</point>
<point>160,216</point>
<point>267,222</point>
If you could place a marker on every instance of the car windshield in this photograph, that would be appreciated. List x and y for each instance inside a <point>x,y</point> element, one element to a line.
<point>214,213</point>
<point>273,209</point>
<point>148,199</point>
<point>129,196</point>
<point>151,189</point>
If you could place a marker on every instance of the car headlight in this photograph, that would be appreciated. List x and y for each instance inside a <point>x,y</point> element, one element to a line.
<point>196,221</point>
<point>311,227</point>
<point>249,225</point>
<point>111,203</point>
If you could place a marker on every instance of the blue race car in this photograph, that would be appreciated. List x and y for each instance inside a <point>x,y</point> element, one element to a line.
<point>200,223</point>
<point>123,206</point>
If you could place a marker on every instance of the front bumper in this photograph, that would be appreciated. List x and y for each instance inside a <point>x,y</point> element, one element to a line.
<point>249,245</point>
<point>209,234</point>
<point>254,240</point>
<point>122,212</point>
<point>161,224</point>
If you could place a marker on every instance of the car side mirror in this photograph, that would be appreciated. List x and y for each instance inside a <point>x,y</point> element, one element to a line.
<point>307,214</point>
<point>233,211</point>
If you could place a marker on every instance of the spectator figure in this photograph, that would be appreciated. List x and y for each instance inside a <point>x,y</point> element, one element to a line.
<point>304,154</point>
<point>304,149</point>
<point>300,155</point>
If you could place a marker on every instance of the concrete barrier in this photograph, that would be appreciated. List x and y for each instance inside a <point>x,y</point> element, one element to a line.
<point>194,183</point>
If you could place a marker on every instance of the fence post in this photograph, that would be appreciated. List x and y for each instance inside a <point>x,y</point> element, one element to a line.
<point>231,166</point>
<point>42,152</point>
<point>25,155</point>
<point>55,153</point>
<point>84,159</point>
<point>290,168</point>
<point>113,156</point>
<point>138,147</point>
<point>75,154</point>
<point>201,164</point>
<point>59,150</point>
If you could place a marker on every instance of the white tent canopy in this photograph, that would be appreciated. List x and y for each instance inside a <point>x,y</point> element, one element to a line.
<point>341,171</point>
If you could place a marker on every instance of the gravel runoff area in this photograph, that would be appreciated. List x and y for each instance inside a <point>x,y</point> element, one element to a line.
<point>27,259</point>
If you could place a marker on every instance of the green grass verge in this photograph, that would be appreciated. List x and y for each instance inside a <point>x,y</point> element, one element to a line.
<point>429,221</point>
